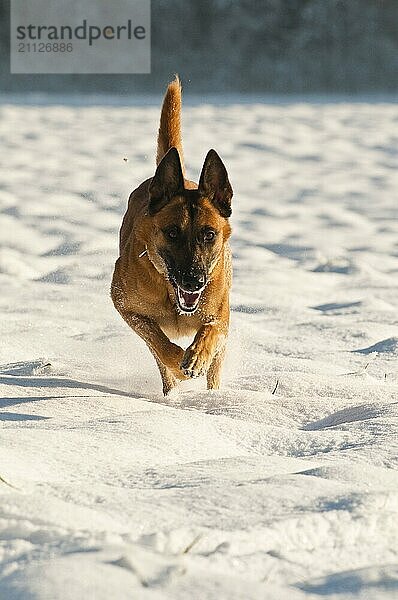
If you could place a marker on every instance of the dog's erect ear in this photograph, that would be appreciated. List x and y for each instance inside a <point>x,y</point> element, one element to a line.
<point>167,181</point>
<point>214,183</point>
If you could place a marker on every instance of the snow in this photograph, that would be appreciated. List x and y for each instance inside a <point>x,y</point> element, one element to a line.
<point>283,484</point>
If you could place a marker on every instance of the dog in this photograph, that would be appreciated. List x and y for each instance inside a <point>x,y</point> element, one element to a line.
<point>174,272</point>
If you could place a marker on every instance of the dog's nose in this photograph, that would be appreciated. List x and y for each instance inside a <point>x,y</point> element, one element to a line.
<point>191,283</point>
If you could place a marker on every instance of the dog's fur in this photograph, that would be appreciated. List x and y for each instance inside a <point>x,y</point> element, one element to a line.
<point>173,275</point>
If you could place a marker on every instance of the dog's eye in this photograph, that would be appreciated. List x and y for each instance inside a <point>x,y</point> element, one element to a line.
<point>209,235</point>
<point>172,233</point>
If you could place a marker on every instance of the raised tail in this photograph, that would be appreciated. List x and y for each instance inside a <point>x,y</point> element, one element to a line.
<point>169,135</point>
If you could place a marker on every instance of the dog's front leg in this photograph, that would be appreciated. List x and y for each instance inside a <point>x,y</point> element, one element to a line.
<point>169,382</point>
<point>214,371</point>
<point>165,352</point>
<point>209,342</point>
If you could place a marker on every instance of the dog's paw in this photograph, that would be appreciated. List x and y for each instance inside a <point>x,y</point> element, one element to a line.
<point>194,363</point>
<point>173,364</point>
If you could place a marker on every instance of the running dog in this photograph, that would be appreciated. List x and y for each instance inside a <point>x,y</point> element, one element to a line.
<point>173,275</point>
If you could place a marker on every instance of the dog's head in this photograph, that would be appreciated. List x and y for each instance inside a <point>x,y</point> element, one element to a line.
<point>188,227</point>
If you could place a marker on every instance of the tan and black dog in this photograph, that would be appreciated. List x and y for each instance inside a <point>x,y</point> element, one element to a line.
<point>173,276</point>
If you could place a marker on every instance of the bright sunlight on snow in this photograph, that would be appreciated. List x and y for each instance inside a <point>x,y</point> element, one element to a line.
<point>281,485</point>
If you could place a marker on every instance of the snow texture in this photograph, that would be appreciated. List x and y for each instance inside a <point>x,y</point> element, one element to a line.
<point>281,485</point>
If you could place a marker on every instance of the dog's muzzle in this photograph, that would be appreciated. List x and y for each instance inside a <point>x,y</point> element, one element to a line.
<point>188,293</point>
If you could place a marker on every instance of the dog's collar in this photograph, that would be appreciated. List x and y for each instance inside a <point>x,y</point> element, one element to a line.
<point>143,252</point>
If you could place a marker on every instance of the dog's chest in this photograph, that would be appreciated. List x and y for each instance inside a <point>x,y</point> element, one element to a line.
<point>176,326</point>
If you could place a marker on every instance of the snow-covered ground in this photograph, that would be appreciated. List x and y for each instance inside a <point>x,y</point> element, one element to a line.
<point>108,490</point>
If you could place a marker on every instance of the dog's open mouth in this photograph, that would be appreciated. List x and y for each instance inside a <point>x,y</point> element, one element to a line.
<point>187,301</point>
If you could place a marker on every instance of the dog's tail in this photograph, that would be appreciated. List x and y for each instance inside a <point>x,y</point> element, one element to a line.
<point>170,122</point>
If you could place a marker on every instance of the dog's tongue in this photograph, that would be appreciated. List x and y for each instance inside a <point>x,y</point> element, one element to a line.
<point>189,297</point>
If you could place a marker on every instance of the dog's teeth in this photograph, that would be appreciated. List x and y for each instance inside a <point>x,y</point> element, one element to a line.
<point>182,305</point>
